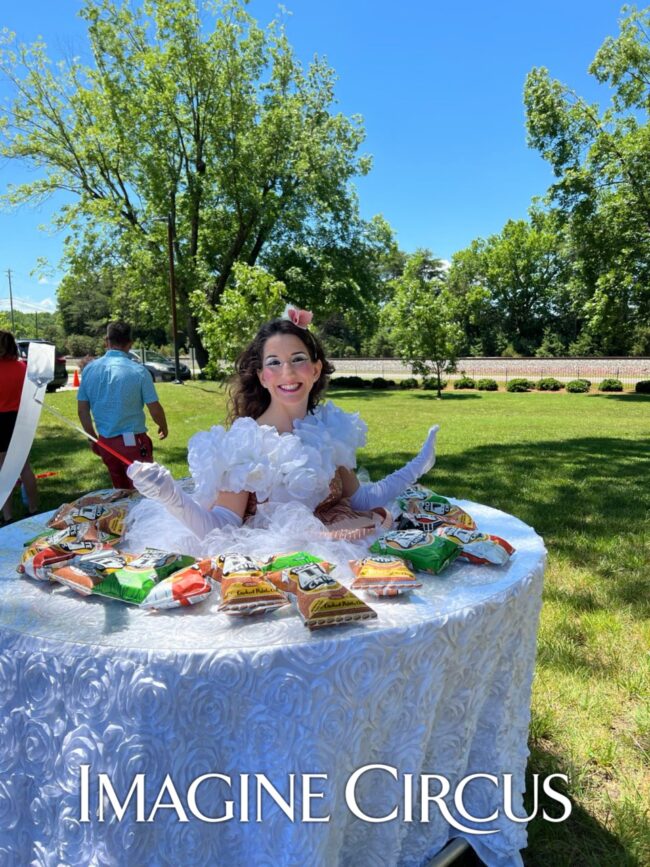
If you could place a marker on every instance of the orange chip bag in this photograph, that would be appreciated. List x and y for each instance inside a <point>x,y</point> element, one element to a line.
<point>383,576</point>
<point>250,593</point>
<point>321,600</point>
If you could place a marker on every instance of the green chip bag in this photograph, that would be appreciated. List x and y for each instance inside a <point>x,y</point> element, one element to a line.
<point>133,582</point>
<point>410,499</point>
<point>425,551</point>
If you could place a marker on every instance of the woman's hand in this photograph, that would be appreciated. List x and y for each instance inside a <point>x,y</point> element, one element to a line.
<point>153,481</point>
<point>426,457</point>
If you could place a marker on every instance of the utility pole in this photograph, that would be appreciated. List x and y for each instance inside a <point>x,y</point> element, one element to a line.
<point>11,302</point>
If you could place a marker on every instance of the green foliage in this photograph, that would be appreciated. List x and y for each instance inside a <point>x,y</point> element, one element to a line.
<point>432,383</point>
<point>79,345</point>
<point>408,382</point>
<point>611,384</point>
<point>520,383</point>
<point>46,326</point>
<point>577,386</point>
<point>642,387</point>
<point>549,383</point>
<point>421,318</point>
<point>348,382</point>
<point>464,382</point>
<point>254,298</point>
<point>487,384</point>
<point>195,114</point>
<point>601,160</point>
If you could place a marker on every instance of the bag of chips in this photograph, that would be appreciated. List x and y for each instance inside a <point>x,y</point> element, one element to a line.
<point>83,574</point>
<point>250,592</point>
<point>383,576</point>
<point>40,563</point>
<point>226,564</point>
<point>321,600</point>
<point>419,521</point>
<point>56,546</point>
<point>408,500</point>
<point>132,582</point>
<point>478,547</point>
<point>185,587</point>
<point>275,565</point>
<point>420,501</point>
<point>92,506</point>
<point>425,551</point>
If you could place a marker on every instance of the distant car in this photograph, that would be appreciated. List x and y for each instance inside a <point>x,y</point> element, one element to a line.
<point>160,367</point>
<point>60,372</point>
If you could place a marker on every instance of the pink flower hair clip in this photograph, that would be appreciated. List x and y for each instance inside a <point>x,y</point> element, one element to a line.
<point>301,318</point>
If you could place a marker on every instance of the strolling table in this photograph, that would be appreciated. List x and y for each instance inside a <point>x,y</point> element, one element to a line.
<point>94,693</point>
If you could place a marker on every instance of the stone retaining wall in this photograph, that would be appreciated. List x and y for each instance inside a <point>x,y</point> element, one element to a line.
<point>628,370</point>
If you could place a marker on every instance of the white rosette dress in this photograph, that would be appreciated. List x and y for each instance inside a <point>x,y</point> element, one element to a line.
<point>294,485</point>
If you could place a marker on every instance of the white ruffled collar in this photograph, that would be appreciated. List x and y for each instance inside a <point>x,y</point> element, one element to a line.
<point>278,467</point>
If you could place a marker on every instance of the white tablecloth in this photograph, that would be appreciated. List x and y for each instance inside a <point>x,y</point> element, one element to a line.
<point>438,684</point>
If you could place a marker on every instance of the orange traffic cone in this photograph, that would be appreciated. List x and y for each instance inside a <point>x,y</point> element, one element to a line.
<point>75,378</point>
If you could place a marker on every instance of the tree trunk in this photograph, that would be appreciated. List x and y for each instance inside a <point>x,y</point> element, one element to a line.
<point>200,351</point>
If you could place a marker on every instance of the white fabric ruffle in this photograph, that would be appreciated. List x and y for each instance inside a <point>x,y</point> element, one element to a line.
<point>275,528</point>
<point>280,468</point>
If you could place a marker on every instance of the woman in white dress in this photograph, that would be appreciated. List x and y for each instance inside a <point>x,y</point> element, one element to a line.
<point>283,473</point>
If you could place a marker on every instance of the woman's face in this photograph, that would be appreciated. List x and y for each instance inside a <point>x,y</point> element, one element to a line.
<point>287,370</point>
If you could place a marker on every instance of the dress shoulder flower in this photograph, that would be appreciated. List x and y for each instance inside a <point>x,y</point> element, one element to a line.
<point>344,432</point>
<point>238,459</point>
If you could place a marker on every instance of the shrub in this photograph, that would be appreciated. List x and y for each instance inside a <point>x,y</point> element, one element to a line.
<point>520,383</point>
<point>611,385</point>
<point>549,383</point>
<point>348,382</point>
<point>409,382</point>
<point>642,387</point>
<point>81,344</point>
<point>464,382</point>
<point>487,384</point>
<point>431,383</point>
<point>577,386</point>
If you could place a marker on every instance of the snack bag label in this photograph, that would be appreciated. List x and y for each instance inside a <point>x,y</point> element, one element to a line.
<point>313,577</point>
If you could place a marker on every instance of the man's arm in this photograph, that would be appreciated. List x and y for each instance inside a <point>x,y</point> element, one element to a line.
<point>157,413</point>
<point>83,411</point>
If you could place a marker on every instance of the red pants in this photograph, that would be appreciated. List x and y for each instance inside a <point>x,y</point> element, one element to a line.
<point>141,451</point>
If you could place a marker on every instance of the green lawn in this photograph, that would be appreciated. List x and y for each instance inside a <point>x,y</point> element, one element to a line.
<point>576,468</point>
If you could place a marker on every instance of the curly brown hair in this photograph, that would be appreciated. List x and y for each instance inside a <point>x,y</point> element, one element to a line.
<point>8,348</point>
<point>247,396</point>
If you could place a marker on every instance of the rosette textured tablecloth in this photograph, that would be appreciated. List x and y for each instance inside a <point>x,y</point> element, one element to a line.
<point>438,684</point>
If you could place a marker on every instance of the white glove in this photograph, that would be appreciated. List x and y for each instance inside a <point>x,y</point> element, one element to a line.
<point>157,483</point>
<point>379,493</point>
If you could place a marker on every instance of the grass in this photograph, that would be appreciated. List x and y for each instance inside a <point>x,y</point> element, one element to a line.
<point>575,467</point>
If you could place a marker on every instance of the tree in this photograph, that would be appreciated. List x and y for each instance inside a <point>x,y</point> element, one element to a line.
<point>421,317</point>
<point>508,286</point>
<point>254,297</point>
<point>190,111</point>
<point>601,159</point>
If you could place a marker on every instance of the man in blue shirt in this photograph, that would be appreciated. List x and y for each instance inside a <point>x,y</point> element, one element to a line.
<point>113,392</point>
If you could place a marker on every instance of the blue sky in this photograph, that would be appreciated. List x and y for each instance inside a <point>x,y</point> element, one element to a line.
<point>439,88</point>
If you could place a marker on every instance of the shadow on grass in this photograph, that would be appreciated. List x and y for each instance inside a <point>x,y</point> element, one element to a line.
<point>578,841</point>
<point>375,393</point>
<point>628,398</point>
